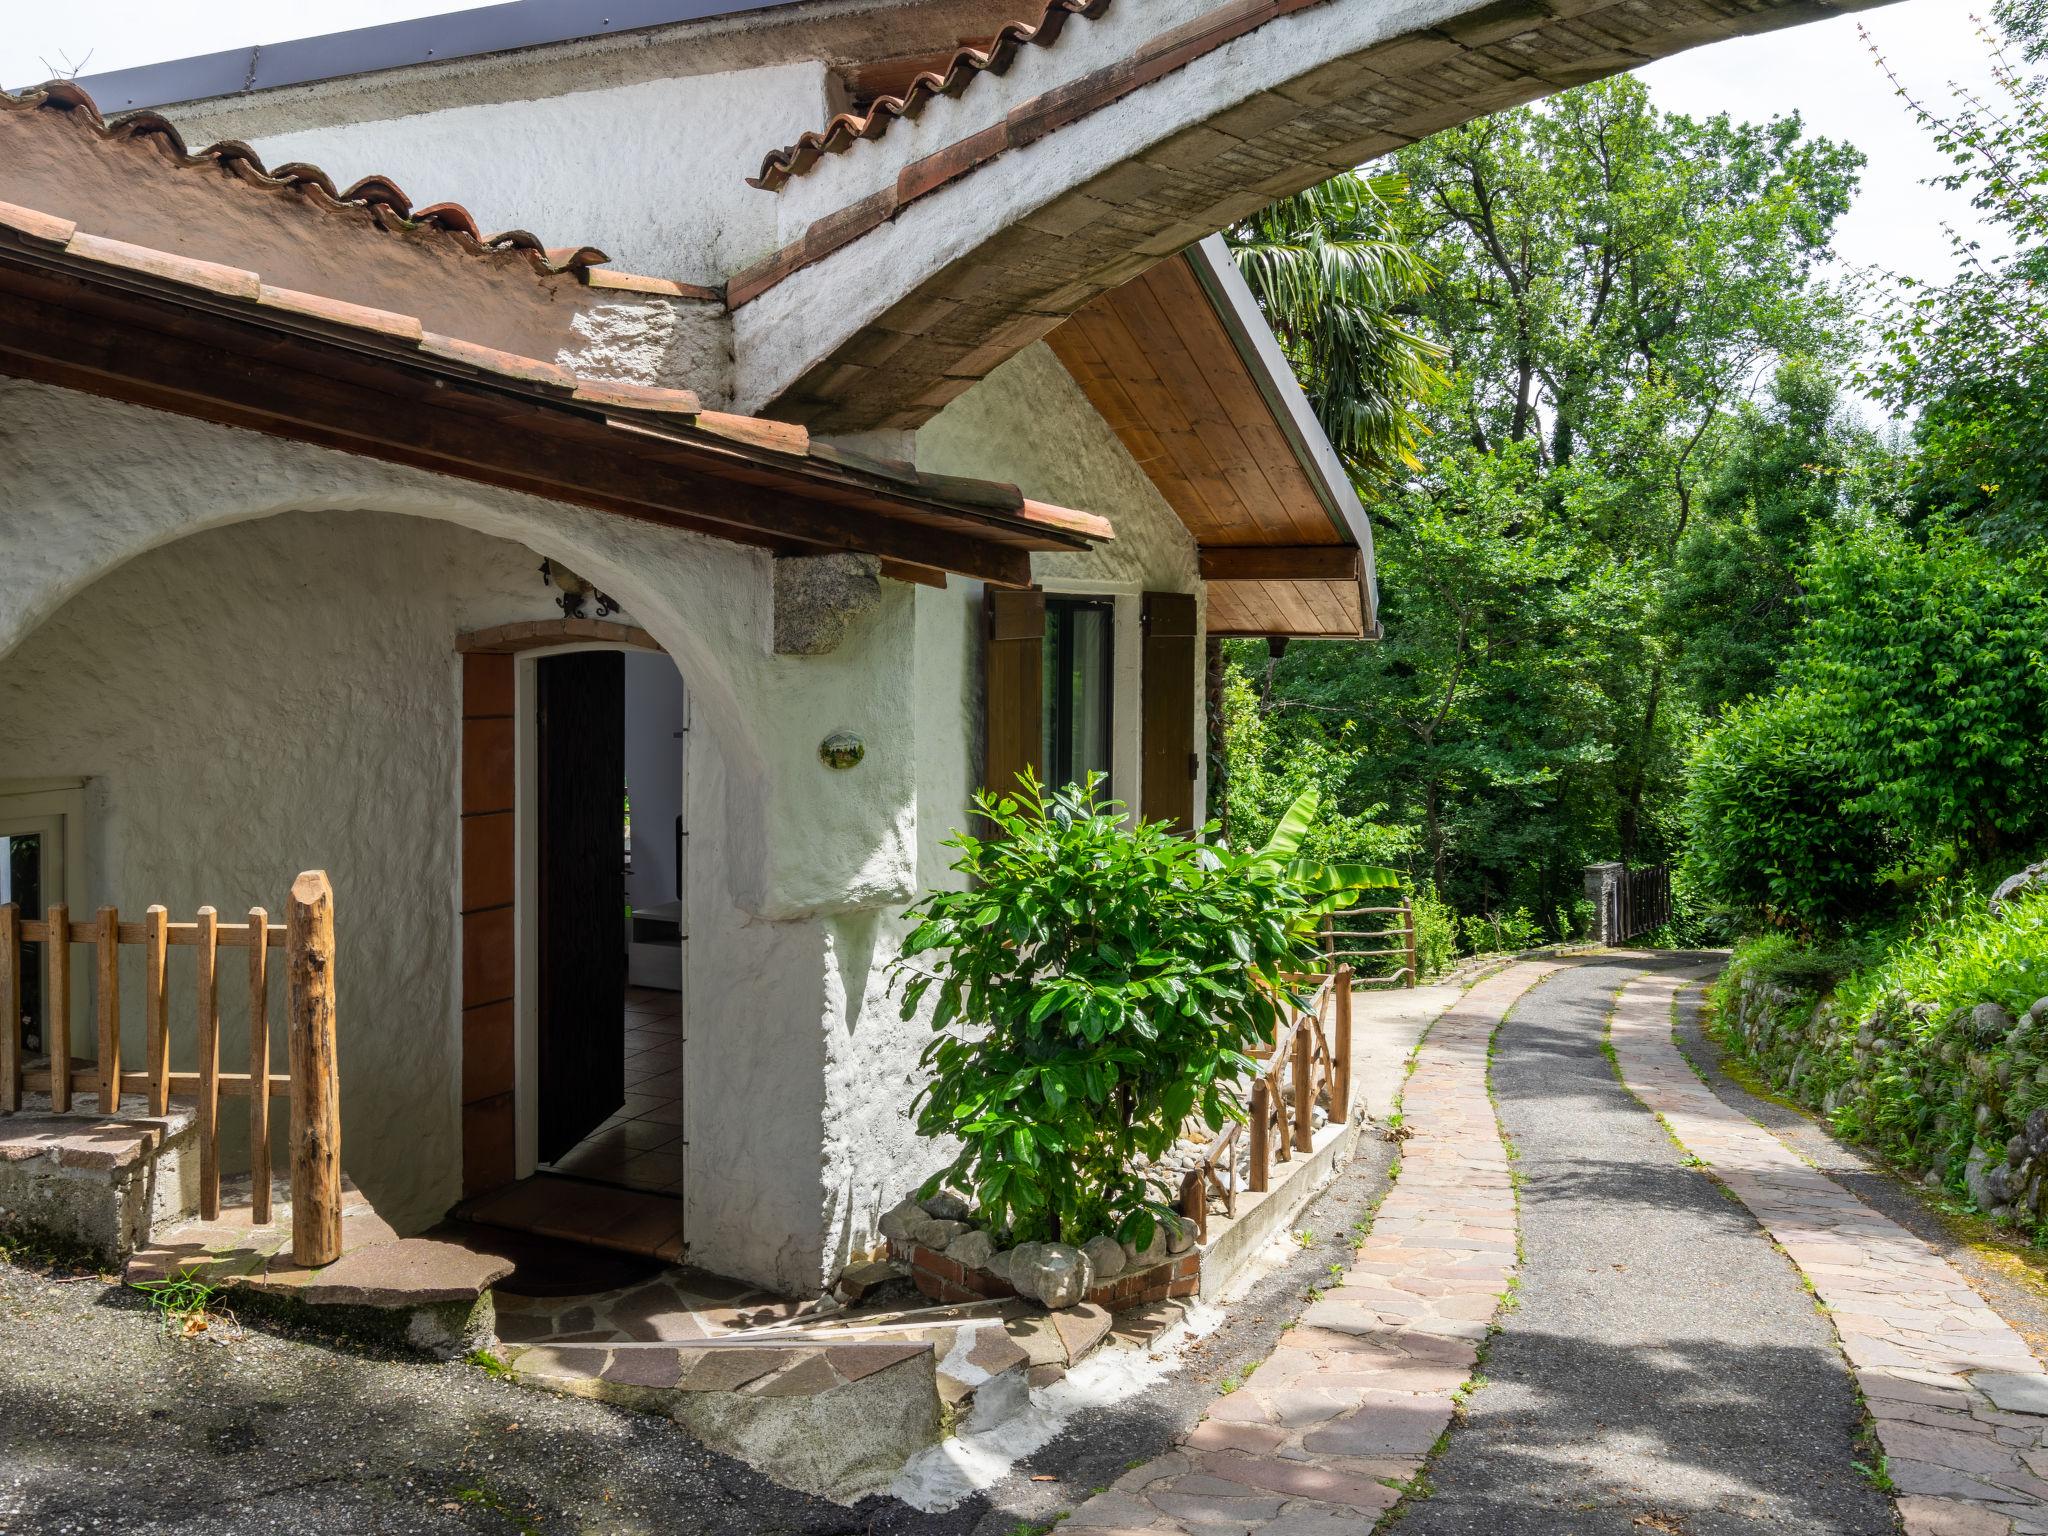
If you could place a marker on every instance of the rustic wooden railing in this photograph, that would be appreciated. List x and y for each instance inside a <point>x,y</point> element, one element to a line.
<point>1311,1056</point>
<point>1349,944</point>
<point>312,1086</point>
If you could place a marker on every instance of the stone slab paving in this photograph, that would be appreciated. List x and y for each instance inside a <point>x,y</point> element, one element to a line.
<point>1322,1437</point>
<point>1961,1405</point>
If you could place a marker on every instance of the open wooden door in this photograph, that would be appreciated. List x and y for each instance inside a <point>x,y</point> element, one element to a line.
<point>581,976</point>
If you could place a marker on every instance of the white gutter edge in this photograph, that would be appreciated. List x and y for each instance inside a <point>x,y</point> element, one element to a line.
<point>1214,269</point>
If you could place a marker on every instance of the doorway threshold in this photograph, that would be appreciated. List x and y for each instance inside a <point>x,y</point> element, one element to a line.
<point>576,1211</point>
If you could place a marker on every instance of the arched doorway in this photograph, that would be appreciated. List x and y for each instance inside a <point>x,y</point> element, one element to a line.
<point>574,902</point>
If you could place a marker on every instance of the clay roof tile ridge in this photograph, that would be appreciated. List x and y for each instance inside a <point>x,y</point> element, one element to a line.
<point>849,128</point>
<point>380,195</point>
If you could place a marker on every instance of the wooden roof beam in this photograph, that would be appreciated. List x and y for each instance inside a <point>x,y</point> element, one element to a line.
<point>1283,562</point>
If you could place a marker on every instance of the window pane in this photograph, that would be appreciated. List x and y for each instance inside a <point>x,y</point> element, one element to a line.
<point>1089,674</point>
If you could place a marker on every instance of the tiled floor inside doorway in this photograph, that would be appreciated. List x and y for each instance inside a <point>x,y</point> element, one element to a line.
<point>641,1147</point>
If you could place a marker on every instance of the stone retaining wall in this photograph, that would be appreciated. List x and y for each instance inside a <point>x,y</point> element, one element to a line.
<point>1977,1074</point>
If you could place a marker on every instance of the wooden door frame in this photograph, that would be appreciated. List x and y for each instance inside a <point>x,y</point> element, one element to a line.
<point>499,920</point>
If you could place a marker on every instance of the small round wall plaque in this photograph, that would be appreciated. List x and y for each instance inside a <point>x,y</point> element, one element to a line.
<point>842,749</point>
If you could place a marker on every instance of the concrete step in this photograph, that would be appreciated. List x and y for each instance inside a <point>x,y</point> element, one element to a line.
<point>94,1186</point>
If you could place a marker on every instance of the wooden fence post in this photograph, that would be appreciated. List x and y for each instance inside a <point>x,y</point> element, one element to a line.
<point>316,1085</point>
<point>108,1000</point>
<point>206,1016</point>
<point>10,1008</point>
<point>1408,920</point>
<point>156,1022</point>
<point>1340,1049</point>
<point>259,1066</point>
<point>57,1002</point>
<point>1304,1089</point>
<point>1262,1115</point>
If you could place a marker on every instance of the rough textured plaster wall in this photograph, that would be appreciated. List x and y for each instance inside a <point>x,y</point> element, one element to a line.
<point>753,1068</point>
<point>799,847</point>
<point>278,696</point>
<point>652,173</point>
<point>800,844</point>
<point>1027,423</point>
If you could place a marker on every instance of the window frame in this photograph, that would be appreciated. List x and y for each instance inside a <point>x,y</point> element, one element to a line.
<point>1060,609</point>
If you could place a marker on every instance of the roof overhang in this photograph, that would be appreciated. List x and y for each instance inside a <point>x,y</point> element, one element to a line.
<point>1183,366</point>
<point>169,326</point>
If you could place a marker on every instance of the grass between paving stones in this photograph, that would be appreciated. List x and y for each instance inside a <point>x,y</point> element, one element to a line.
<point>1865,1454</point>
<point>1420,1487</point>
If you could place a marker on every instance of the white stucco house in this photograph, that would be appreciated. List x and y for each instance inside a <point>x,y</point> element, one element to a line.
<point>887,417</point>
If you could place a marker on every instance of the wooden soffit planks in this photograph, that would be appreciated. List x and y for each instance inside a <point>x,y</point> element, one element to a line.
<point>1160,365</point>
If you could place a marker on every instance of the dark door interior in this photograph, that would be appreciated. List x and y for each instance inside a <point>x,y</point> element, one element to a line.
<point>582,897</point>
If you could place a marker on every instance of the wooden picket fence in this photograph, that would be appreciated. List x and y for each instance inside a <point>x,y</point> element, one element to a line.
<point>312,1086</point>
<point>1311,1053</point>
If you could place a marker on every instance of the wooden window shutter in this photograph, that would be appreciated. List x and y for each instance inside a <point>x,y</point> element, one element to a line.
<point>1167,750</point>
<point>1014,697</point>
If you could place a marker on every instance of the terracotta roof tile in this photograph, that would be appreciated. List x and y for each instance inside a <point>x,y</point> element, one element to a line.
<point>967,65</point>
<point>382,196</point>
<point>318,306</point>
<point>37,225</point>
<point>231,282</point>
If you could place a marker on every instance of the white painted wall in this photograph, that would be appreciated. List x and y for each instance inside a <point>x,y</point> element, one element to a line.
<point>651,172</point>
<point>279,696</point>
<point>141,567</point>
<point>132,564</point>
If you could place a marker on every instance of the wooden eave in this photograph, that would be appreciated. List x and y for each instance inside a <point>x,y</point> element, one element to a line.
<point>219,346</point>
<point>1181,366</point>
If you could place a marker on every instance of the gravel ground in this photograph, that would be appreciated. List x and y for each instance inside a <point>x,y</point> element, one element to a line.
<point>2015,1286</point>
<point>1664,1369</point>
<point>106,1426</point>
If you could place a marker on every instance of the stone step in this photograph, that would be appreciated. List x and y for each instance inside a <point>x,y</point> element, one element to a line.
<point>420,1292</point>
<point>93,1185</point>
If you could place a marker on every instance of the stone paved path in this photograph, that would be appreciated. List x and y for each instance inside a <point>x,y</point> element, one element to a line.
<point>1322,1437</point>
<point>1943,1374</point>
<point>1662,1368</point>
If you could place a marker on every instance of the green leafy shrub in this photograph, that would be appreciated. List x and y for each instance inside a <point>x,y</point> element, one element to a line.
<point>1436,932</point>
<point>1775,824</point>
<point>1499,931</point>
<point>1097,983</point>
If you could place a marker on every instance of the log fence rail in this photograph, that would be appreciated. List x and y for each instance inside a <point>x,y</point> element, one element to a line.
<point>1308,1063</point>
<point>1389,941</point>
<point>311,1085</point>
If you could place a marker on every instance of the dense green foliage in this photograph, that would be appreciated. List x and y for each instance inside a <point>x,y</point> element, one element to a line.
<point>1096,983</point>
<point>1970,355</point>
<point>1770,806</point>
<point>1331,270</point>
<point>1638,446</point>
